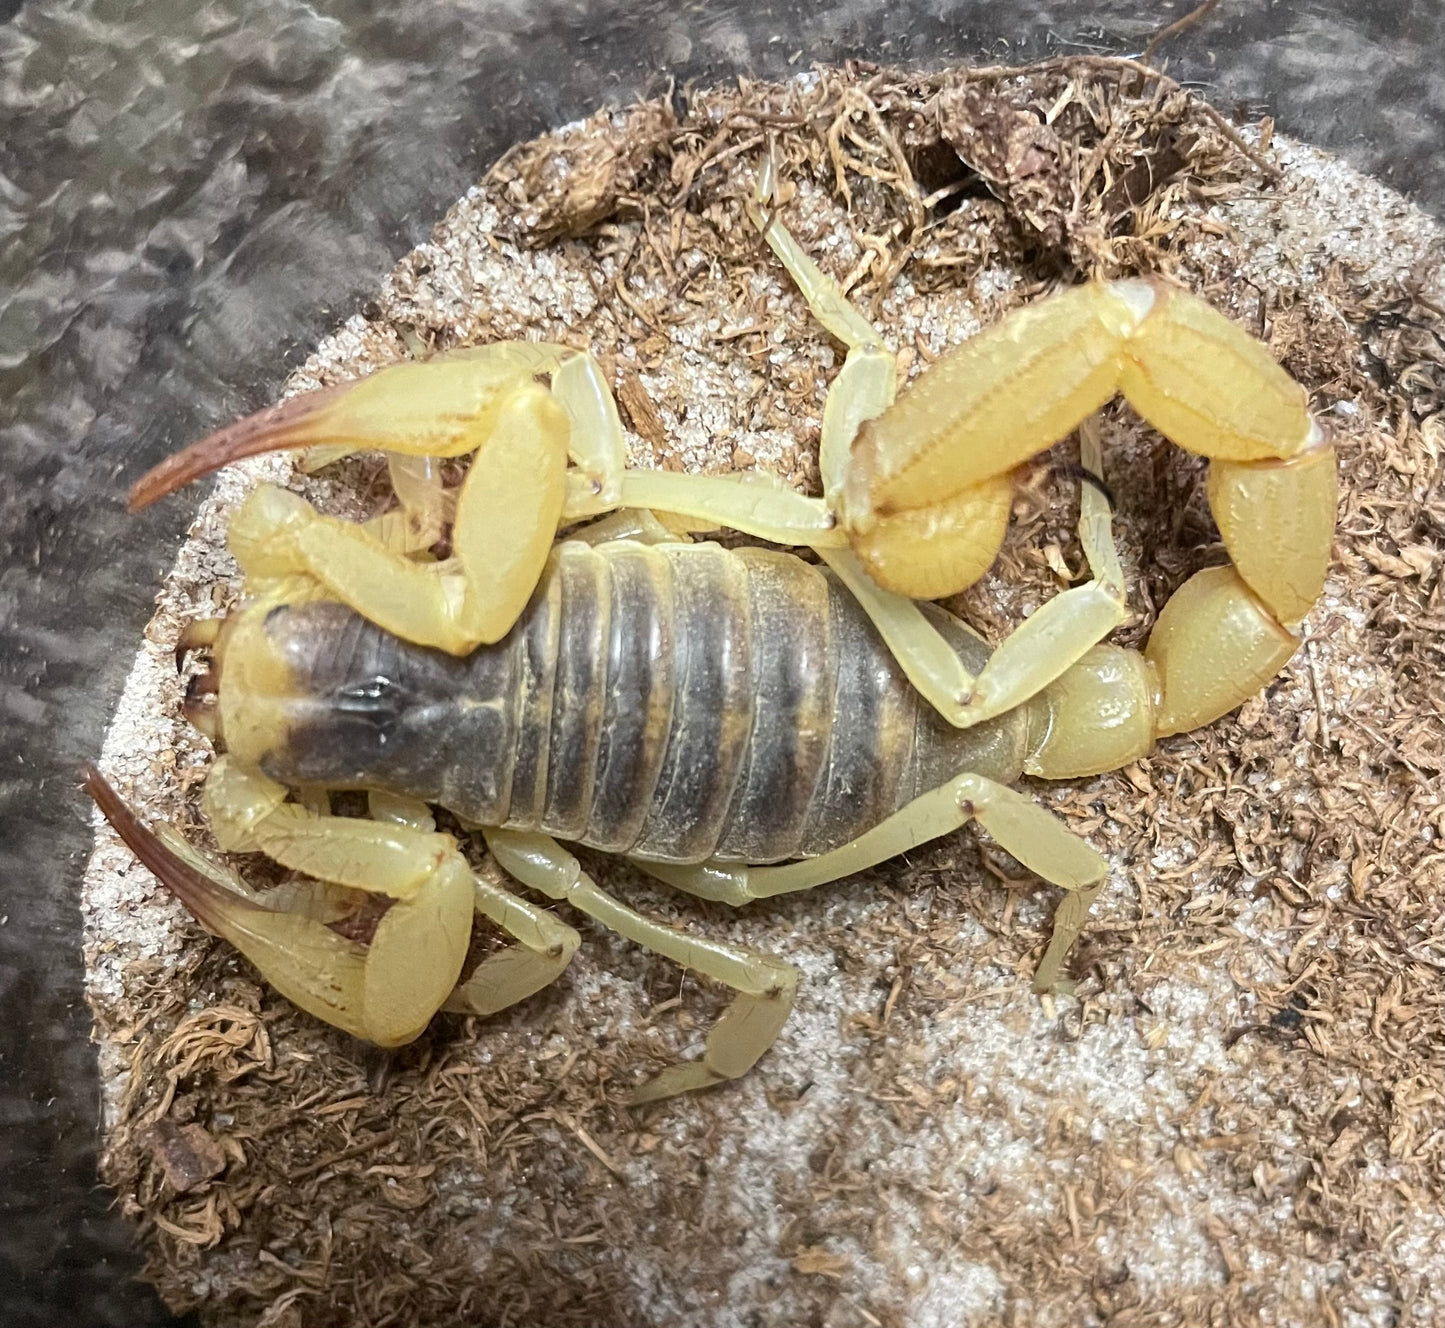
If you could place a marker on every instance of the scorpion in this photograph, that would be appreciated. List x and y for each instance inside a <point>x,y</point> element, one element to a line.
<point>738,722</point>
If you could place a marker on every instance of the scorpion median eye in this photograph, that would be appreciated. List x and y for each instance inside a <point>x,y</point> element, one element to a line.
<point>369,712</point>
<point>377,697</point>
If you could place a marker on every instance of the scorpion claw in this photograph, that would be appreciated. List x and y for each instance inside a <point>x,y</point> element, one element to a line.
<point>283,426</point>
<point>200,891</point>
<point>306,961</point>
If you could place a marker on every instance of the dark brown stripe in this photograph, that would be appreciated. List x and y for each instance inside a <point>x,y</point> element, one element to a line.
<point>792,676</point>
<point>713,710</point>
<point>578,694</point>
<point>638,694</point>
<point>538,634</point>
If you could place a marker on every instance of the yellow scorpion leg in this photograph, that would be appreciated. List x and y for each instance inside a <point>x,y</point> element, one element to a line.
<point>765,986</point>
<point>758,505</point>
<point>1036,837</point>
<point>1028,659</point>
<point>544,947</point>
<point>544,944</point>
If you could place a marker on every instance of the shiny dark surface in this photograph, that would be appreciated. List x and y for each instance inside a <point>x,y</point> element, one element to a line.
<point>743,684</point>
<point>190,194</point>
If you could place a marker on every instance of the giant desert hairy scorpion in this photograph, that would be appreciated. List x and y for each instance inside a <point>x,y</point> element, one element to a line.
<point>737,722</point>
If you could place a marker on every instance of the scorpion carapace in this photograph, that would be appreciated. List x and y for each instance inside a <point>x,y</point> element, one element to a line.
<point>739,723</point>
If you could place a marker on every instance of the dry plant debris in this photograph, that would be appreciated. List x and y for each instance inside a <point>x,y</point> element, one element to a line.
<point>1239,1118</point>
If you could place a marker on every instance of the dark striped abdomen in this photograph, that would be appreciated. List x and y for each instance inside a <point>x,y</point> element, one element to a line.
<point>671,702</point>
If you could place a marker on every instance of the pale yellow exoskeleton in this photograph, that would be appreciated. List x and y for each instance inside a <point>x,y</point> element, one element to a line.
<point>916,500</point>
<point>726,719</point>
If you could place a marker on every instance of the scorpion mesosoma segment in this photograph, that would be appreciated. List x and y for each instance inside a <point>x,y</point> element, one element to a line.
<point>739,723</point>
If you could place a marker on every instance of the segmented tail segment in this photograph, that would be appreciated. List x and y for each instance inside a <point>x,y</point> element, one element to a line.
<point>1028,382</point>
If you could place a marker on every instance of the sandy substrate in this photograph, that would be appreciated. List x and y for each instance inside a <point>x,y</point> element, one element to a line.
<point>1238,1117</point>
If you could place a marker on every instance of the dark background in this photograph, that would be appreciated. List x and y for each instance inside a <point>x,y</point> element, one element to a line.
<point>191,194</point>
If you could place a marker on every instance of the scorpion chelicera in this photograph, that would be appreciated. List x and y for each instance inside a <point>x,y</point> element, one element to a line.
<point>739,723</point>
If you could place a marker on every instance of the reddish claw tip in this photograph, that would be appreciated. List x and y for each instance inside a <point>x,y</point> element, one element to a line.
<point>206,900</point>
<point>275,429</point>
